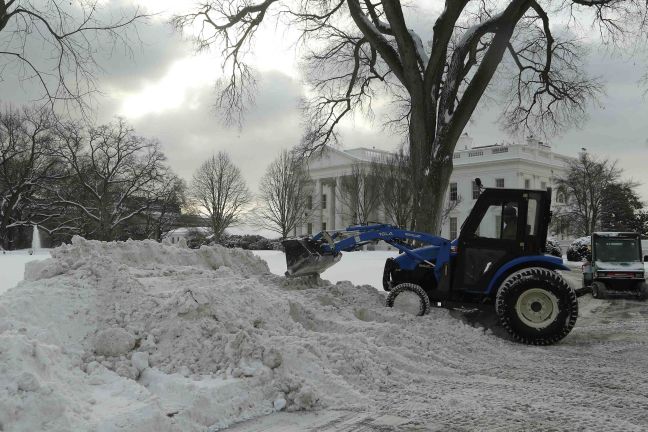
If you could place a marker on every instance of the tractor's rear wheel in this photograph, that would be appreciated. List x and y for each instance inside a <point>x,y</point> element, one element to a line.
<point>536,306</point>
<point>423,299</point>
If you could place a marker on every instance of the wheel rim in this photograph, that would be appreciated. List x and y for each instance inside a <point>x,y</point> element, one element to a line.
<point>537,308</point>
<point>408,302</point>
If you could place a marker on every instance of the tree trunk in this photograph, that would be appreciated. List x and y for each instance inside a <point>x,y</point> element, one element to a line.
<point>433,186</point>
<point>431,172</point>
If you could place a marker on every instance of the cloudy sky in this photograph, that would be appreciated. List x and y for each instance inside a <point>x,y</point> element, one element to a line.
<point>167,91</point>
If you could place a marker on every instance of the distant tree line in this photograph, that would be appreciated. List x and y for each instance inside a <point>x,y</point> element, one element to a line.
<point>597,198</point>
<point>102,182</point>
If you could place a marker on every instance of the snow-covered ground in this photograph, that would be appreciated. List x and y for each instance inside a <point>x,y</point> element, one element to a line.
<point>12,266</point>
<point>360,268</point>
<point>139,336</point>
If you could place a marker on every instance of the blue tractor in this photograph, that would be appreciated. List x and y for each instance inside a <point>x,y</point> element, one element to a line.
<point>497,260</point>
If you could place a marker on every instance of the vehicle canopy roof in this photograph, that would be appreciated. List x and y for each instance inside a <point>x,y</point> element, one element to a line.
<point>617,234</point>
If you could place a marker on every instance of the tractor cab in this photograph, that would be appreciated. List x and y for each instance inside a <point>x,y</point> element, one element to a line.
<point>504,225</point>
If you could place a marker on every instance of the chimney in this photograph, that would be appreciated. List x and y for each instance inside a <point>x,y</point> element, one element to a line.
<point>465,142</point>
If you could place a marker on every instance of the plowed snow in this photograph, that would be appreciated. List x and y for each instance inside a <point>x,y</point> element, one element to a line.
<point>148,337</point>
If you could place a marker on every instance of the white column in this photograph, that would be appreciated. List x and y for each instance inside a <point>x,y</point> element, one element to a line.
<point>317,206</point>
<point>338,205</point>
<point>331,207</point>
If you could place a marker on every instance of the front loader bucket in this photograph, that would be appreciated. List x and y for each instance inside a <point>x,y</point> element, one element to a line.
<point>304,257</point>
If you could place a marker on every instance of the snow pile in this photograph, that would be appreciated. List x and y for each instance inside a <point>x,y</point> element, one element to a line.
<point>12,266</point>
<point>188,339</point>
<point>150,337</point>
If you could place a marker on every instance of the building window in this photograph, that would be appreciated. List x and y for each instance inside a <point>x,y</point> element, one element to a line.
<point>453,228</point>
<point>323,202</point>
<point>309,202</point>
<point>309,228</point>
<point>499,182</point>
<point>475,190</point>
<point>323,226</point>
<point>453,191</point>
<point>543,185</point>
<point>527,184</point>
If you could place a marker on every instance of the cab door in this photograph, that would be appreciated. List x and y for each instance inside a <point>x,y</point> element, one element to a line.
<point>490,237</point>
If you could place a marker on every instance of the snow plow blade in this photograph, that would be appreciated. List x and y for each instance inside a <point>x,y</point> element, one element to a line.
<point>304,257</point>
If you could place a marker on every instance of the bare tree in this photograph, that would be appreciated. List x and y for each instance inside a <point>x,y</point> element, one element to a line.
<point>114,175</point>
<point>283,194</point>
<point>27,164</point>
<point>165,212</point>
<point>394,180</point>
<point>584,188</point>
<point>220,192</point>
<point>55,44</point>
<point>359,191</point>
<point>356,50</point>
<point>449,206</point>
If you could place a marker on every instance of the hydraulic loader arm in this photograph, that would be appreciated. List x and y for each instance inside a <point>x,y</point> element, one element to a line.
<point>356,236</point>
<point>316,254</point>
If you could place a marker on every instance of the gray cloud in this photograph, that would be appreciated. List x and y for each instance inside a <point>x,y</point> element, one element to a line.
<point>616,128</point>
<point>192,132</point>
<point>189,136</point>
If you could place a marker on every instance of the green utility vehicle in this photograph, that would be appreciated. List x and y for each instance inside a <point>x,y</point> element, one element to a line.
<point>615,265</point>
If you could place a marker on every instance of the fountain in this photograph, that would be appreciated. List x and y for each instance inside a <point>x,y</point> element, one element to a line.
<point>36,243</point>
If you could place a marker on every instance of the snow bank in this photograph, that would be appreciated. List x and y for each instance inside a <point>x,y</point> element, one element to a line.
<point>12,266</point>
<point>141,336</point>
<point>188,340</point>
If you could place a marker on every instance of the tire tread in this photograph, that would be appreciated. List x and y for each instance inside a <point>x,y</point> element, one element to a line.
<point>416,289</point>
<point>540,273</point>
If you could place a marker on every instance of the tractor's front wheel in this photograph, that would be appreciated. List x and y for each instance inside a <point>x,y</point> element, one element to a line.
<point>536,306</point>
<point>413,299</point>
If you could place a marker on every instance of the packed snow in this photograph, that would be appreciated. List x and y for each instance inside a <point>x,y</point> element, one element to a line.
<point>141,336</point>
<point>12,266</point>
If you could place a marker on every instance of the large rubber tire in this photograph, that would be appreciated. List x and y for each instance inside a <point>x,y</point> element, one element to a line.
<point>599,290</point>
<point>410,287</point>
<point>643,291</point>
<point>536,306</point>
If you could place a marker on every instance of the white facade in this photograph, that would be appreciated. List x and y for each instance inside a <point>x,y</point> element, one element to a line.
<point>326,171</point>
<point>528,165</point>
<point>175,235</point>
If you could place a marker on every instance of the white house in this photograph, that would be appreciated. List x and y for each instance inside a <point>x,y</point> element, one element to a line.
<point>175,235</point>
<point>528,165</point>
